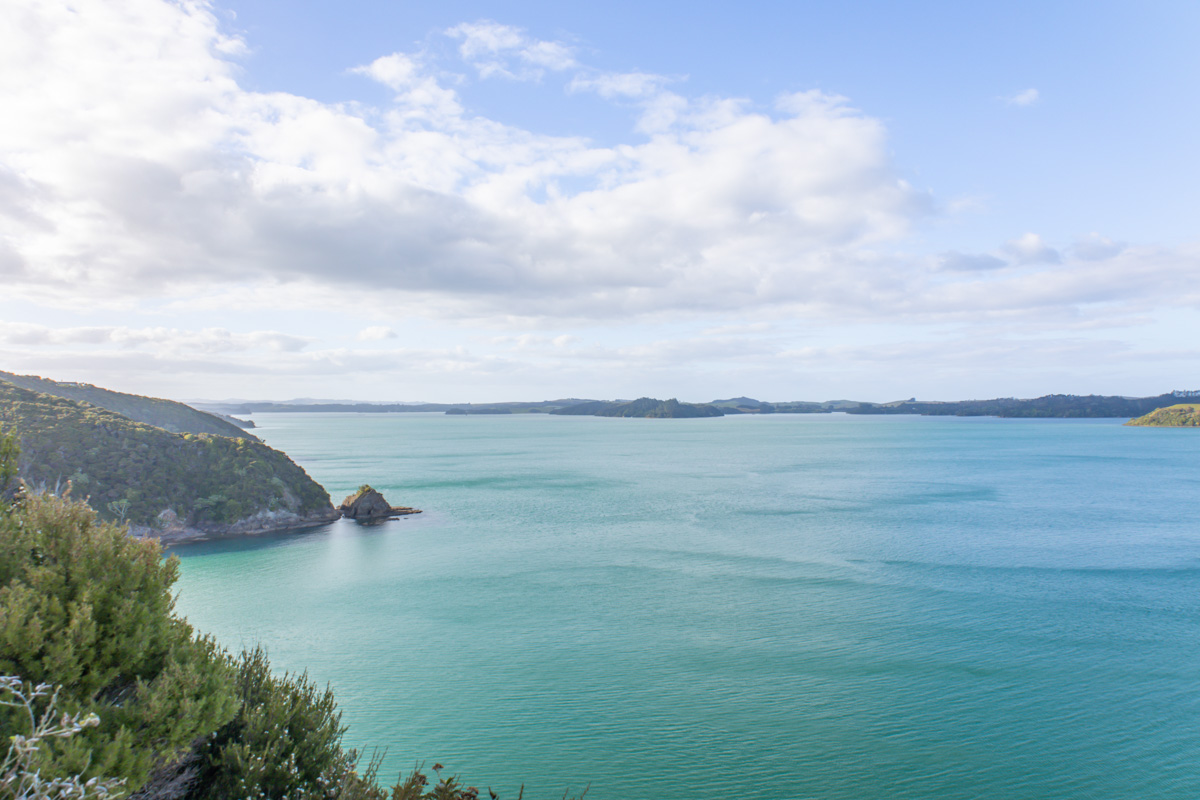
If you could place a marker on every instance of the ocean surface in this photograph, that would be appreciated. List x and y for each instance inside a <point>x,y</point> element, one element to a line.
<point>818,606</point>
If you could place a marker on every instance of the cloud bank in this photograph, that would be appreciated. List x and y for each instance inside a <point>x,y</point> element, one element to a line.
<point>135,165</point>
<point>136,171</point>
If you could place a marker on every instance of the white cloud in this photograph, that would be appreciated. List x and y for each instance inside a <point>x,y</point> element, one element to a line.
<point>1095,247</point>
<point>207,340</point>
<point>376,333</point>
<point>610,85</point>
<point>955,261</point>
<point>1025,98</point>
<point>133,166</point>
<point>152,172</point>
<point>507,51</point>
<point>1032,249</point>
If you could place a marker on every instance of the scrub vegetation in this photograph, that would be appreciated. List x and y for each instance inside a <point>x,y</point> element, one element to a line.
<point>1180,415</point>
<point>132,472</point>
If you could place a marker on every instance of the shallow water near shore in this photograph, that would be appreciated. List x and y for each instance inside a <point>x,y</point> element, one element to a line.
<point>787,606</point>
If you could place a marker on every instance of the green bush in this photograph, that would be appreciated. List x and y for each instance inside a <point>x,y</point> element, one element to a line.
<point>285,741</point>
<point>86,607</point>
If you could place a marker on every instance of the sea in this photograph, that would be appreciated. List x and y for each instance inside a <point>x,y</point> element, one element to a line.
<point>752,607</point>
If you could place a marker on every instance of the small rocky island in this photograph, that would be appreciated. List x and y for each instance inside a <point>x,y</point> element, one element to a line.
<point>368,506</point>
<point>1180,415</point>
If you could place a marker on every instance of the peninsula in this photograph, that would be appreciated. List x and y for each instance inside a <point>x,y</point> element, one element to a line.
<point>1180,415</point>
<point>172,486</point>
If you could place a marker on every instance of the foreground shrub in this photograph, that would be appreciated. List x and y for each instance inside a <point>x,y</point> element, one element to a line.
<point>85,607</point>
<point>285,742</point>
<point>20,778</point>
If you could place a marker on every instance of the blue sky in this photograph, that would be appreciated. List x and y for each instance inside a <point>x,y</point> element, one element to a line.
<point>480,201</point>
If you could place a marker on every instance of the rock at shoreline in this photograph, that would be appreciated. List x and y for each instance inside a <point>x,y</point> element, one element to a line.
<point>169,528</point>
<point>368,505</point>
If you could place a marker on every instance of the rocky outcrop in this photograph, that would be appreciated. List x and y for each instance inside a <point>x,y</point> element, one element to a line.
<point>367,505</point>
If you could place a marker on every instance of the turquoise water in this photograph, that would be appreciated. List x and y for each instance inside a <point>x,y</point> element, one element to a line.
<point>770,607</point>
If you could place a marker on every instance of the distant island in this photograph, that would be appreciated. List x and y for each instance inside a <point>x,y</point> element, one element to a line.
<point>1049,406</point>
<point>1180,415</point>
<point>642,407</point>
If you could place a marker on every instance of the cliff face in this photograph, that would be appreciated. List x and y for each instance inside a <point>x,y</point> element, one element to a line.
<point>162,483</point>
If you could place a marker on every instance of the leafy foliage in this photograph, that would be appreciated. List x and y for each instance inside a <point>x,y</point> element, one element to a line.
<point>111,460</point>
<point>85,606</point>
<point>285,741</point>
<point>20,777</point>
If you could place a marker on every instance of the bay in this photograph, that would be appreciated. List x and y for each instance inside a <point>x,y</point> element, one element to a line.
<point>783,606</point>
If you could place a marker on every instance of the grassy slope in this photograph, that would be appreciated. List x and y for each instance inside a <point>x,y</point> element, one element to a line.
<point>165,414</point>
<point>204,479</point>
<point>1181,415</point>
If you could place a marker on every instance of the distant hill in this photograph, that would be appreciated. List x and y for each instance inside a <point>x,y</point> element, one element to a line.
<point>1051,405</point>
<point>1180,415</point>
<point>535,407</point>
<point>743,405</point>
<point>131,471</point>
<point>165,414</point>
<point>643,407</point>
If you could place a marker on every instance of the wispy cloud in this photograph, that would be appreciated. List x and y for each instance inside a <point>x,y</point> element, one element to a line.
<point>1025,98</point>
<point>610,85</point>
<point>1032,249</point>
<point>375,333</point>
<point>497,50</point>
<point>207,340</point>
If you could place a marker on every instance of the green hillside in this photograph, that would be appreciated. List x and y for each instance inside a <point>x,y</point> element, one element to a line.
<point>1181,415</point>
<point>165,414</point>
<point>132,471</point>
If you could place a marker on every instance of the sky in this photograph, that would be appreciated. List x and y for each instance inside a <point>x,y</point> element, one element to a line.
<point>482,201</point>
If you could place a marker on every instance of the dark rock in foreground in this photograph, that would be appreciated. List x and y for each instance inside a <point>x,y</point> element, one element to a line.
<point>368,505</point>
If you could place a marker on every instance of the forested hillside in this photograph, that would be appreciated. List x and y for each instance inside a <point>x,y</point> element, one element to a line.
<point>130,471</point>
<point>166,414</point>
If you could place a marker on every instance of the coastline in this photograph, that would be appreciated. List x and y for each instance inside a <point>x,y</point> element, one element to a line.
<point>264,522</point>
<point>261,524</point>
